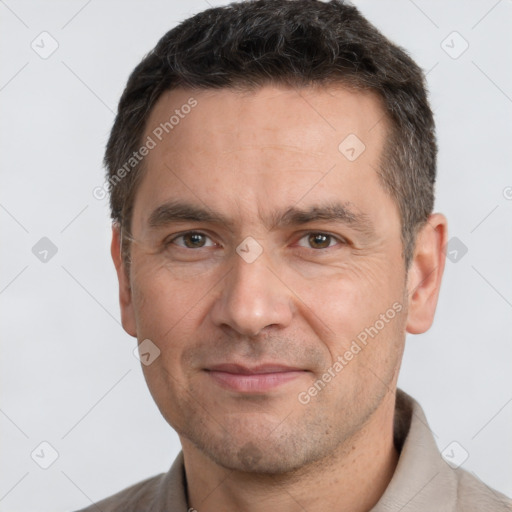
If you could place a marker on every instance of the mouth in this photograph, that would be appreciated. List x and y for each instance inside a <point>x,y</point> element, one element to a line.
<point>255,379</point>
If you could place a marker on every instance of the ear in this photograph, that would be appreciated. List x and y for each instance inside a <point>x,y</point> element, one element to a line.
<point>425,274</point>
<point>125,292</point>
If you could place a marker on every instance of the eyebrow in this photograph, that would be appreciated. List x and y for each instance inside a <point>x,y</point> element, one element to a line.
<point>338,212</point>
<point>176,211</point>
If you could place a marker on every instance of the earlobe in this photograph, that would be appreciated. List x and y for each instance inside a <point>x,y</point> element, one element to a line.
<point>125,293</point>
<point>425,274</point>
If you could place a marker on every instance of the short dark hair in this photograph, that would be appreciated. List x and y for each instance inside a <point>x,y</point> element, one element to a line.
<point>296,43</point>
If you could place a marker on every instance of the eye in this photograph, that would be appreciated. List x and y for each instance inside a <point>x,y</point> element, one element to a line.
<point>318,241</point>
<point>192,240</point>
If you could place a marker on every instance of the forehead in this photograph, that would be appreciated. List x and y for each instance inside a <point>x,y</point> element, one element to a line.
<point>262,147</point>
<point>303,117</point>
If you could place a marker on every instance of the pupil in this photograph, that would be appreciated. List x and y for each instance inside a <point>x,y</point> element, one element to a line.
<point>319,241</point>
<point>194,240</point>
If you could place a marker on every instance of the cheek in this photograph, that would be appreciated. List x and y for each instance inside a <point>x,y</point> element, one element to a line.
<point>348,304</point>
<point>366,318</point>
<point>167,313</point>
<point>164,303</point>
<point>357,291</point>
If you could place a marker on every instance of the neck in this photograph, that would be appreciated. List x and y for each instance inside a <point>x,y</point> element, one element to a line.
<point>352,479</point>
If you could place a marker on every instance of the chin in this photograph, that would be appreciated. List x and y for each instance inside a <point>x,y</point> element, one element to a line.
<point>258,457</point>
<point>261,447</point>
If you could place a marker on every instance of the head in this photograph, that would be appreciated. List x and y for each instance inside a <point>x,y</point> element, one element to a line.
<point>280,214</point>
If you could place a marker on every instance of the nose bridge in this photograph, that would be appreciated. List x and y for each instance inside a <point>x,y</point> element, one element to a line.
<point>252,297</point>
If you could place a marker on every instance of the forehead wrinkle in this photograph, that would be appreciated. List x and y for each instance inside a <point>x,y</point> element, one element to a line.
<point>280,147</point>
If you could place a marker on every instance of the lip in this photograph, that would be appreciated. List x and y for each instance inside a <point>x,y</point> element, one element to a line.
<point>255,379</point>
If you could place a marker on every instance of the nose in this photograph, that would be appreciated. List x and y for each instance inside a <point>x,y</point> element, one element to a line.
<point>253,298</point>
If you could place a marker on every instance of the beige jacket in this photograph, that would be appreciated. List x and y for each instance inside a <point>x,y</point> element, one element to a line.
<point>422,482</point>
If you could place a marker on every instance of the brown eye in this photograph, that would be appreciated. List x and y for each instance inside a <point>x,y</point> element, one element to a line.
<point>193,240</point>
<point>319,240</point>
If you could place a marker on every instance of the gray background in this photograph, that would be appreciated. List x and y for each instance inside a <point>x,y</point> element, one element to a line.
<point>68,374</point>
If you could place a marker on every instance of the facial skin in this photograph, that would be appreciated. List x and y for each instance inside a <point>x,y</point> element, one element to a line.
<point>246,159</point>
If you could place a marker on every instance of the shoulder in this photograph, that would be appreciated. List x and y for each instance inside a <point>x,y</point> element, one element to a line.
<point>475,496</point>
<point>137,497</point>
<point>421,467</point>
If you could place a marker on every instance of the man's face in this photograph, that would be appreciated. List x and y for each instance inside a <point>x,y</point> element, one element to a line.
<point>262,252</point>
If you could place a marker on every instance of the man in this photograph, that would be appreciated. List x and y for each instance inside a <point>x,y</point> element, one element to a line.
<point>271,172</point>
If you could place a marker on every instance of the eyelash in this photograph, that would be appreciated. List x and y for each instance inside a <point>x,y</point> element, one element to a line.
<point>340,241</point>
